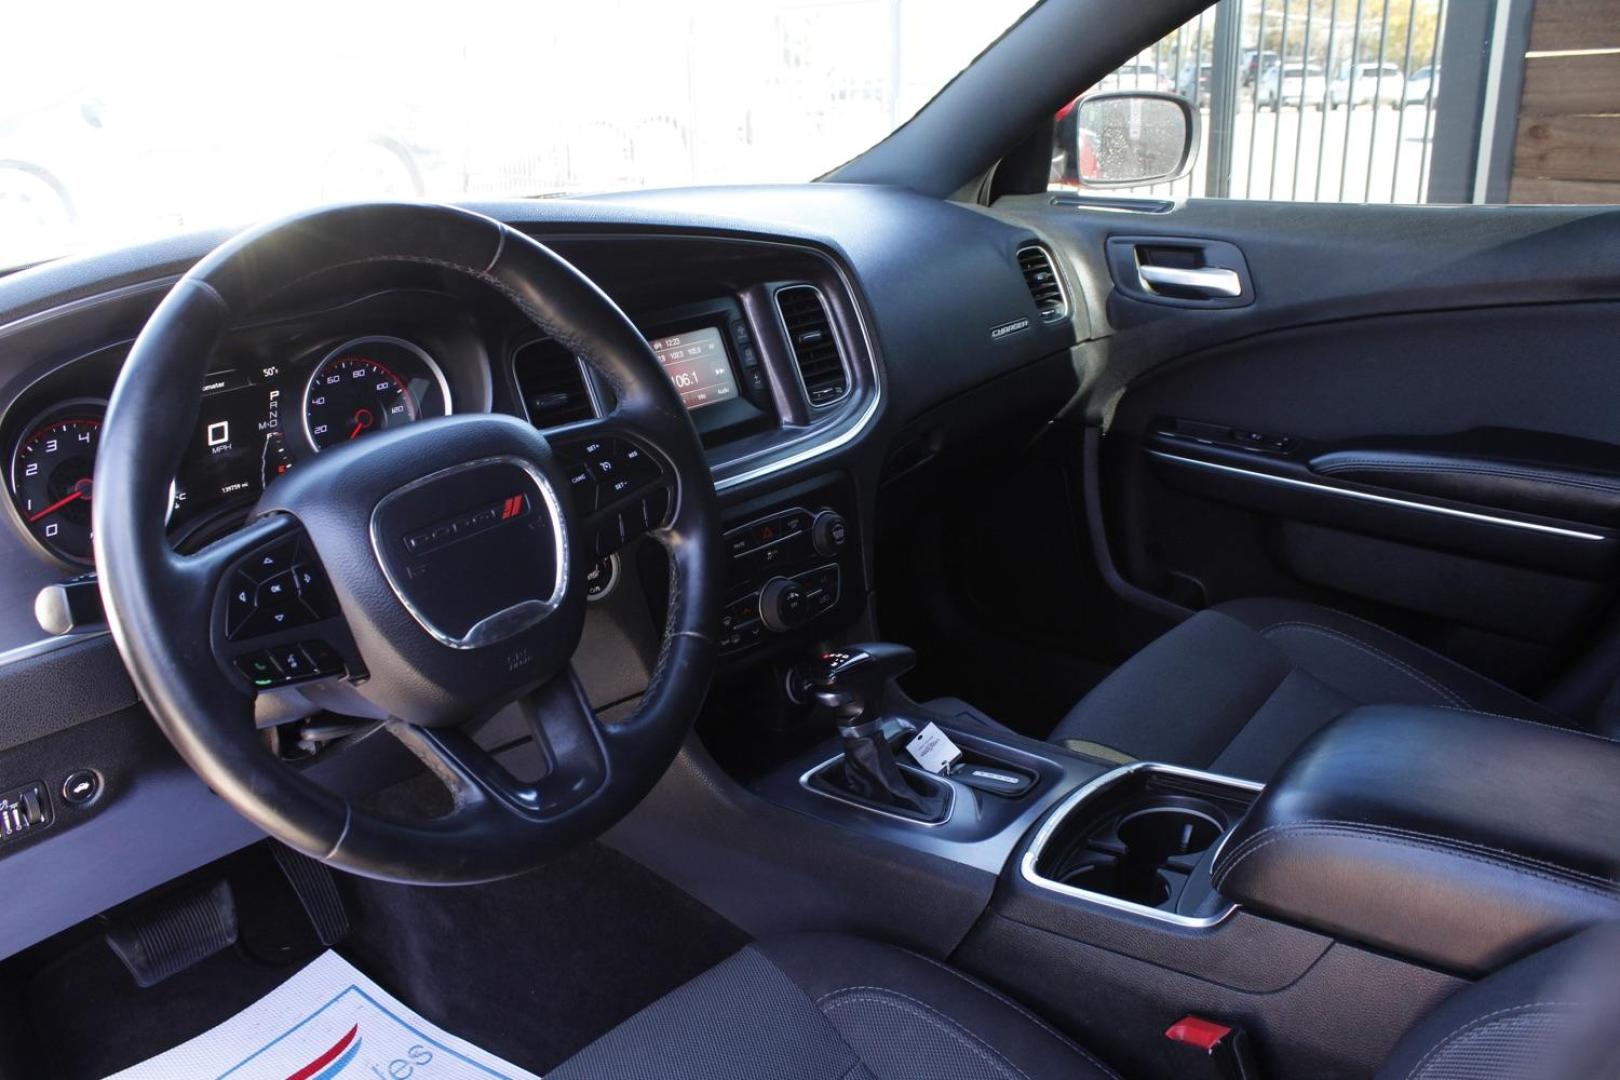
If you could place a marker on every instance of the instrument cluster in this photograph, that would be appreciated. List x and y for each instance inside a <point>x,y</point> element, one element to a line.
<point>258,419</point>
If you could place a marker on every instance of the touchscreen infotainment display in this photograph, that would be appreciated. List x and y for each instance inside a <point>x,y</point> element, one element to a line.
<point>697,364</point>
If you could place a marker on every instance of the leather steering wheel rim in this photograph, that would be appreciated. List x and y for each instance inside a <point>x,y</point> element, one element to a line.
<point>160,603</point>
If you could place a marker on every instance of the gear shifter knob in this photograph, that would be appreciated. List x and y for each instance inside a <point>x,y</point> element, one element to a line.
<point>851,680</point>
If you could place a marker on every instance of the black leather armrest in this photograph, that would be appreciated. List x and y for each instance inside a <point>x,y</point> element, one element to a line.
<point>1460,839</point>
<point>1570,479</point>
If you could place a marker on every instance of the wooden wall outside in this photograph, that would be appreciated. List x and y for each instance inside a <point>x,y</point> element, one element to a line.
<point>1568,144</point>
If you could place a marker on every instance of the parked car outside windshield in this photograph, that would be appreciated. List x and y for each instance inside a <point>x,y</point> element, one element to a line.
<point>1422,86</point>
<point>1294,84</point>
<point>1369,84</point>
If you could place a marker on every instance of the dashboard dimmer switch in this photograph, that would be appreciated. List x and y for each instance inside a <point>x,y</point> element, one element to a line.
<point>23,810</point>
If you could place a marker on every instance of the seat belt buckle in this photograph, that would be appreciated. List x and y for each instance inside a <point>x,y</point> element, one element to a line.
<point>1224,1047</point>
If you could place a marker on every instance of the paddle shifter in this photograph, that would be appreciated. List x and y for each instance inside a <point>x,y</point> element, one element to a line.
<point>853,683</point>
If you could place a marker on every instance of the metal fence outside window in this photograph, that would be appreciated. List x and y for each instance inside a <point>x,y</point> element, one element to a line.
<point>1306,100</point>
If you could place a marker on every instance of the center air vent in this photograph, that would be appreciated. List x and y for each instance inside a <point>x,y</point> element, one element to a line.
<point>815,346</point>
<point>1042,278</point>
<point>552,382</point>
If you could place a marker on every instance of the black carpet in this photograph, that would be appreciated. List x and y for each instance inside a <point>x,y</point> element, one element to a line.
<point>537,967</point>
<point>90,1019</point>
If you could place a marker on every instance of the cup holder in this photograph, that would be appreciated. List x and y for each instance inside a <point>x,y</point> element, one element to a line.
<point>1136,882</point>
<point>1160,833</point>
<point>1142,841</point>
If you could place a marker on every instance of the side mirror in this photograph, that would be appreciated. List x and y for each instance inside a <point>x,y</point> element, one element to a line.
<point>1134,137</point>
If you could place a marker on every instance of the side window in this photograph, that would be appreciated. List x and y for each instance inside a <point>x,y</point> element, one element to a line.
<point>1342,101</point>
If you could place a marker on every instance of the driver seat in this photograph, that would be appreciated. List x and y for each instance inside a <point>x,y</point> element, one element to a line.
<point>832,1007</point>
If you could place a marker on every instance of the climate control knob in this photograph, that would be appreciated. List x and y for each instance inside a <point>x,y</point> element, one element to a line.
<point>828,533</point>
<point>783,605</point>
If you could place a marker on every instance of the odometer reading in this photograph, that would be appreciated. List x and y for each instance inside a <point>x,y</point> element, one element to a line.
<point>52,482</point>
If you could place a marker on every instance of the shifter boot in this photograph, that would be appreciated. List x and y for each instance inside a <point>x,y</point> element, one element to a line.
<point>871,772</point>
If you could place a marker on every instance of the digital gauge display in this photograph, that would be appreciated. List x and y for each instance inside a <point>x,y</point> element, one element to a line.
<point>239,443</point>
<point>696,362</point>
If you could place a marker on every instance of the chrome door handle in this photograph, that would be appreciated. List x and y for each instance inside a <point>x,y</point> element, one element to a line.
<point>1211,281</point>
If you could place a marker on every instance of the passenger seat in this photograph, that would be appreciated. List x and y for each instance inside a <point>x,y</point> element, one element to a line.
<point>1236,688</point>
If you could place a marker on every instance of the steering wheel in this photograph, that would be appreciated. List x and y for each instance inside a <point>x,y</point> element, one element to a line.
<point>446,632</point>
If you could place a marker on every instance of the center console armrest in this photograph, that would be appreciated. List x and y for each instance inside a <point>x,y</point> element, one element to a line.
<point>1460,839</point>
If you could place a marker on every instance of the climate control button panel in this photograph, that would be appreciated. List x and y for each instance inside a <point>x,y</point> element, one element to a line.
<point>789,567</point>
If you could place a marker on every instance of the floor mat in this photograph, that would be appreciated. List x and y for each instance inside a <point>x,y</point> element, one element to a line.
<point>537,966</point>
<point>327,1021</point>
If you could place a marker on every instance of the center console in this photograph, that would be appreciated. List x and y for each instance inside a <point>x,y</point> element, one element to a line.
<point>1399,855</point>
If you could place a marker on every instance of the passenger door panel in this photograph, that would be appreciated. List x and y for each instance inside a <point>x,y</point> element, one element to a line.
<point>1415,420</point>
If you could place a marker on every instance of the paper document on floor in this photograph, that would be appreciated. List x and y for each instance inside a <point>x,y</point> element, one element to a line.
<point>328,1022</point>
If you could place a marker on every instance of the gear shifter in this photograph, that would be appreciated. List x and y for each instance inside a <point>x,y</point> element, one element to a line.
<point>853,683</point>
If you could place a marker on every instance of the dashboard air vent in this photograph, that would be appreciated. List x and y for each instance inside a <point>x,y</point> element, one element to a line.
<point>1042,279</point>
<point>552,382</point>
<point>815,346</point>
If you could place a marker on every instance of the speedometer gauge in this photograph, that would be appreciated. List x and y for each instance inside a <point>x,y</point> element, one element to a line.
<point>368,385</point>
<point>52,478</point>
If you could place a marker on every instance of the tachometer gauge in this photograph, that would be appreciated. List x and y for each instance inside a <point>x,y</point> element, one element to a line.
<point>370,384</point>
<point>52,478</point>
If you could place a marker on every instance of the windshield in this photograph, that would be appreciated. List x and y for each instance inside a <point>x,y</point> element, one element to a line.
<point>120,122</point>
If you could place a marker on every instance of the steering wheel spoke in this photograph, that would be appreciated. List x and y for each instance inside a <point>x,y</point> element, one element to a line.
<point>272,619</point>
<point>620,485</point>
<point>206,567</point>
<point>566,732</point>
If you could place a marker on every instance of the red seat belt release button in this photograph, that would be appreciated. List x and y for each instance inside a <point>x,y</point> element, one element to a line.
<point>1225,1048</point>
<point>1206,1035</point>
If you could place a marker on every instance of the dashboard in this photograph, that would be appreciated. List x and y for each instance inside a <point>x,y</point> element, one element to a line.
<point>266,407</point>
<point>830,342</point>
